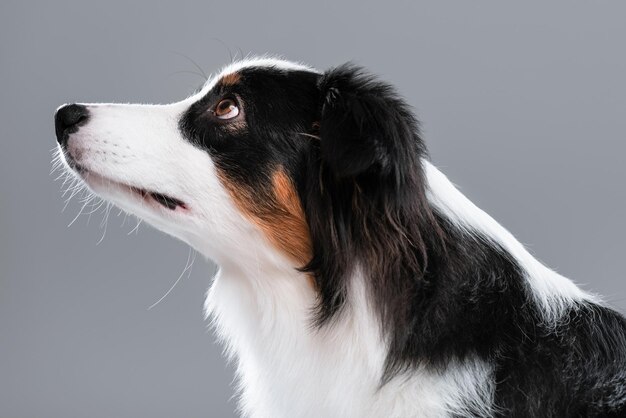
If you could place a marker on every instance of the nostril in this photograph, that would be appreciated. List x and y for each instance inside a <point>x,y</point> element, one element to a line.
<point>67,120</point>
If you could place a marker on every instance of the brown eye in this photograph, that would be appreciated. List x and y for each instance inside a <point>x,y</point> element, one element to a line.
<point>226,109</point>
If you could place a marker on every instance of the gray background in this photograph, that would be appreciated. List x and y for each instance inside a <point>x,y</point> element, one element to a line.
<point>523,106</point>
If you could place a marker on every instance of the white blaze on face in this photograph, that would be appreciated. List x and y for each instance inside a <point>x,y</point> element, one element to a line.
<point>128,148</point>
<point>140,146</point>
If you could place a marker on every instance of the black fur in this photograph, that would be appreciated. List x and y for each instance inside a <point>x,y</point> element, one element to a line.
<point>442,295</point>
<point>574,369</point>
<point>279,106</point>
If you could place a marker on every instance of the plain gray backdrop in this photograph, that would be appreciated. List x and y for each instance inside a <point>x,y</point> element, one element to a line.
<point>523,106</point>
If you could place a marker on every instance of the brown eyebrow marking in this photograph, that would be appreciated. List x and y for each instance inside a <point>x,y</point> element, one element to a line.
<point>278,213</point>
<point>230,79</point>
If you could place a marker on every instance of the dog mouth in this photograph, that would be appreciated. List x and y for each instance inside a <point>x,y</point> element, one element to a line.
<point>164,200</point>
<point>151,197</point>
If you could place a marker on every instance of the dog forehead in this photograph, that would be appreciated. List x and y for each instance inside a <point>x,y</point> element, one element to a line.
<point>229,72</point>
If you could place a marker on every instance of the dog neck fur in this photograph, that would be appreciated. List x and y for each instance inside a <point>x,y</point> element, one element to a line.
<point>262,313</point>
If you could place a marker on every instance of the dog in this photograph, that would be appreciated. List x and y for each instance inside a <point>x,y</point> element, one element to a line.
<point>354,279</point>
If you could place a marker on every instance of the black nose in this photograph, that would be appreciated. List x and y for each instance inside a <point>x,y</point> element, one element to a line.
<point>67,120</point>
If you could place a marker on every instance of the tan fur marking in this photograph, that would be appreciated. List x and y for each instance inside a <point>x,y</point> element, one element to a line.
<point>279,216</point>
<point>230,79</point>
<point>291,230</point>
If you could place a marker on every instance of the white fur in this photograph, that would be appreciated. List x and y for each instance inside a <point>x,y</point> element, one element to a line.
<point>553,292</point>
<point>286,368</point>
<point>259,304</point>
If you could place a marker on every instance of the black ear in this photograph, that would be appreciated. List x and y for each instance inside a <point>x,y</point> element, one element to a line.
<point>365,127</point>
<point>364,192</point>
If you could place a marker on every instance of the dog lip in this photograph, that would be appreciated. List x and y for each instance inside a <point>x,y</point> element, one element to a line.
<point>168,202</point>
<point>164,200</point>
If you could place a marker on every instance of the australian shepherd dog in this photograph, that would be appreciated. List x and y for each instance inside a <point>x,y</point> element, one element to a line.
<point>354,279</point>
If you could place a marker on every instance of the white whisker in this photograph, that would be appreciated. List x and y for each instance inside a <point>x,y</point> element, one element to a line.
<point>188,267</point>
<point>105,221</point>
<point>78,214</point>
<point>136,228</point>
<point>310,135</point>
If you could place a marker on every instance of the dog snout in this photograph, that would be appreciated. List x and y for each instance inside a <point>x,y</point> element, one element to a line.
<point>67,119</point>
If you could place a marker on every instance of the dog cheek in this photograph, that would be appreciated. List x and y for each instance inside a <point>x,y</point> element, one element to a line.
<point>289,225</point>
<point>276,211</point>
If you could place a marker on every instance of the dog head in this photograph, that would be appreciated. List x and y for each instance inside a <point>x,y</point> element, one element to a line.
<point>270,159</point>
